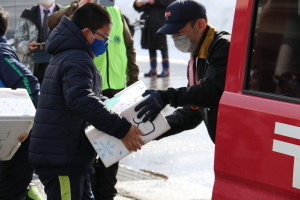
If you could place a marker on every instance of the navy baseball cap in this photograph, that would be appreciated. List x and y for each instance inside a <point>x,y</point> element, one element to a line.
<point>179,13</point>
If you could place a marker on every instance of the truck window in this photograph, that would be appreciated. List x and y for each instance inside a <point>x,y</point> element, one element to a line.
<point>274,57</point>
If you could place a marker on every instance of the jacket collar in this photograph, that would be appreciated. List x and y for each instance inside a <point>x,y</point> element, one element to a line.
<point>32,15</point>
<point>206,40</point>
<point>3,39</point>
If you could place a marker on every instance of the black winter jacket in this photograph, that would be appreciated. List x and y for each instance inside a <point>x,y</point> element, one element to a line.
<point>70,98</point>
<point>14,74</point>
<point>205,95</point>
<point>154,18</point>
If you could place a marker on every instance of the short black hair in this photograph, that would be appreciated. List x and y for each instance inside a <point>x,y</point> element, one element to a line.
<point>3,21</point>
<point>92,16</point>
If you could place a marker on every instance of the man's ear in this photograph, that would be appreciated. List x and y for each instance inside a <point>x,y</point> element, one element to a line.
<point>201,24</point>
<point>85,32</point>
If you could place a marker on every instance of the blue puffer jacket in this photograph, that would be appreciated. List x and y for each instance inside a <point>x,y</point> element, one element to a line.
<point>14,74</point>
<point>70,98</point>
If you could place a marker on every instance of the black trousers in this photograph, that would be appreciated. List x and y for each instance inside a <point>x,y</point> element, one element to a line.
<point>164,53</point>
<point>105,179</point>
<point>74,187</point>
<point>16,174</point>
<point>39,71</point>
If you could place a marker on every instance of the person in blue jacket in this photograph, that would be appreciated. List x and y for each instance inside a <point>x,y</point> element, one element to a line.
<point>15,174</point>
<point>70,99</point>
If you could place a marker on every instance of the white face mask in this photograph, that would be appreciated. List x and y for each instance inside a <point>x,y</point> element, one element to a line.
<point>46,2</point>
<point>183,43</point>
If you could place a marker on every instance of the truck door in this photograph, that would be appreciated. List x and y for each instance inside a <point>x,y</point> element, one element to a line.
<point>257,155</point>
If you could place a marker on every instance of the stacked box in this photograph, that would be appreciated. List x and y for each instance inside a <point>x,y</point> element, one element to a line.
<point>16,118</point>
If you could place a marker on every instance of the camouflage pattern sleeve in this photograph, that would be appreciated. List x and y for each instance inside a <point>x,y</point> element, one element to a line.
<point>25,32</point>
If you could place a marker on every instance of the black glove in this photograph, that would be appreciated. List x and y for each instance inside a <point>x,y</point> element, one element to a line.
<point>151,106</point>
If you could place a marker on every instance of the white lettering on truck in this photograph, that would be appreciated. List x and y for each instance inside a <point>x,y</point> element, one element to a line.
<point>288,148</point>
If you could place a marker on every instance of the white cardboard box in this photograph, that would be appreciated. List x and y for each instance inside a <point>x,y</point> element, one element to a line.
<point>16,118</point>
<point>111,149</point>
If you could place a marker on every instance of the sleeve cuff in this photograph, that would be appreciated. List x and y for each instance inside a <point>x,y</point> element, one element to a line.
<point>125,126</point>
<point>164,96</point>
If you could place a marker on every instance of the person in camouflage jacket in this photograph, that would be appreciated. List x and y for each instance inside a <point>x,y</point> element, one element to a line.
<point>28,32</point>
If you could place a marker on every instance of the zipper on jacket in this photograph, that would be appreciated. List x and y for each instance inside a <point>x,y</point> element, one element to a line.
<point>107,66</point>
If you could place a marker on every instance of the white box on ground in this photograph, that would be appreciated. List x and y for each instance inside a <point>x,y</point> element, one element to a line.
<point>111,149</point>
<point>16,118</point>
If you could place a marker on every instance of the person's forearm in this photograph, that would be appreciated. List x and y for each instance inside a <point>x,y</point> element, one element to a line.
<point>139,8</point>
<point>181,120</point>
<point>132,68</point>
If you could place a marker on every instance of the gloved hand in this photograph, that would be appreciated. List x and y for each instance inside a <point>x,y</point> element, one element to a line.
<point>151,106</point>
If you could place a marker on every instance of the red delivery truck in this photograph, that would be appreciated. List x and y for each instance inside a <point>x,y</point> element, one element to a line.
<point>257,155</point>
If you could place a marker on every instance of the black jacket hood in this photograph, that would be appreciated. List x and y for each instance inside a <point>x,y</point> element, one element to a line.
<point>66,36</point>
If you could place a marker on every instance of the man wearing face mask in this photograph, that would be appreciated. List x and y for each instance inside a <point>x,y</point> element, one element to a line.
<point>186,21</point>
<point>31,33</point>
<point>70,99</point>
